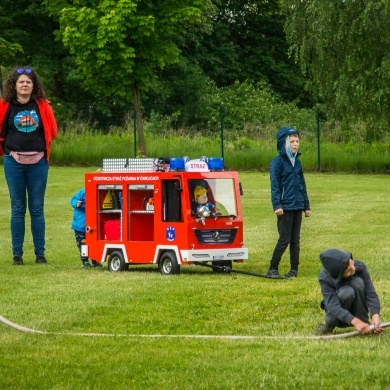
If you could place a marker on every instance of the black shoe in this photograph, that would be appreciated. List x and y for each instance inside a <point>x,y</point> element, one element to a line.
<point>17,260</point>
<point>96,264</point>
<point>86,264</point>
<point>41,260</point>
<point>273,273</point>
<point>323,329</point>
<point>293,273</point>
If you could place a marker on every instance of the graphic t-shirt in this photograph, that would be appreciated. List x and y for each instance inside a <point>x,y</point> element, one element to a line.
<point>24,128</point>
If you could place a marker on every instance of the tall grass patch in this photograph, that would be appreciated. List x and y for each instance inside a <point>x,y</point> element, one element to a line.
<point>240,152</point>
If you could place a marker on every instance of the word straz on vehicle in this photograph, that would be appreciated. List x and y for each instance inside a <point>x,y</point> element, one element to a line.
<point>165,211</point>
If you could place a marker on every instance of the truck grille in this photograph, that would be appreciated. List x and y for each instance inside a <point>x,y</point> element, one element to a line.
<point>216,236</point>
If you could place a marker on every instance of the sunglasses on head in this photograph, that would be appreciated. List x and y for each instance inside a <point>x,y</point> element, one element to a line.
<point>24,70</point>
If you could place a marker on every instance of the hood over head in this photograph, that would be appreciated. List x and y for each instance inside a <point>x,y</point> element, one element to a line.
<point>335,262</point>
<point>281,136</point>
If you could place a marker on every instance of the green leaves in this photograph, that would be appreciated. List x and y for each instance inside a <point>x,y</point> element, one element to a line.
<point>8,49</point>
<point>344,48</point>
<point>130,38</point>
<point>119,46</point>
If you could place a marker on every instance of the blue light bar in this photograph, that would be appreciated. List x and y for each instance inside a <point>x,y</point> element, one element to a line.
<point>216,164</point>
<point>177,164</point>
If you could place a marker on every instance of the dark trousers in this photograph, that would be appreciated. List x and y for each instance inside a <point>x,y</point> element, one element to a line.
<point>289,228</point>
<point>352,298</point>
<point>80,240</point>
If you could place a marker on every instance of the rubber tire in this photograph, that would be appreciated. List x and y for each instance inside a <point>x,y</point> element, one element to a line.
<point>116,262</point>
<point>223,263</point>
<point>168,264</point>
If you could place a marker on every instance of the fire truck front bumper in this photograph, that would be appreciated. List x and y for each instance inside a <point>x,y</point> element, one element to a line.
<point>199,255</point>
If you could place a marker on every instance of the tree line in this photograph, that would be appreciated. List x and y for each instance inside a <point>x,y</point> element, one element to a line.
<point>101,60</point>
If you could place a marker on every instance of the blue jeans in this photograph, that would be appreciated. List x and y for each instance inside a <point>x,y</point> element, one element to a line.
<point>27,181</point>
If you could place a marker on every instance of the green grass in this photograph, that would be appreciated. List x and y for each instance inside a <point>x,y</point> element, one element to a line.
<point>349,212</point>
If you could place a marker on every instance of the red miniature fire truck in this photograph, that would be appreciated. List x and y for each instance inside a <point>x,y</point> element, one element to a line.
<point>145,211</point>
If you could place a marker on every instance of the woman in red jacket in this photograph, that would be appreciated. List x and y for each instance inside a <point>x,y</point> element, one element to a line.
<point>27,128</point>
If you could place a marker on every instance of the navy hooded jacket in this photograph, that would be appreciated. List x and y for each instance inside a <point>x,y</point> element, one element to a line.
<point>334,262</point>
<point>288,187</point>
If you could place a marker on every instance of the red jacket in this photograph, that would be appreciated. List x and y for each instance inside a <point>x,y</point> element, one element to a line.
<point>48,121</point>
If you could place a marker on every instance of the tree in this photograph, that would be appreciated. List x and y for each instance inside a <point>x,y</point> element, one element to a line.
<point>119,46</point>
<point>31,31</point>
<point>7,50</point>
<point>344,49</point>
<point>248,42</point>
<point>178,93</point>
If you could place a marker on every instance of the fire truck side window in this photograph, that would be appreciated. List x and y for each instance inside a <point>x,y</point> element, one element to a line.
<point>172,194</point>
<point>220,193</point>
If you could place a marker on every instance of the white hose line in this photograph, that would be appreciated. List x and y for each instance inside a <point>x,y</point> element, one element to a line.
<point>195,336</point>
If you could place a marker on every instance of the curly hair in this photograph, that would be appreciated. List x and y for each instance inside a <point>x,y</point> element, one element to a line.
<point>9,91</point>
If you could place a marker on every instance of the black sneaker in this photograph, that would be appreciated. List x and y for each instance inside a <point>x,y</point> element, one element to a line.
<point>323,329</point>
<point>293,273</point>
<point>86,264</point>
<point>41,260</point>
<point>273,273</point>
<point>96,264</point>
<point>17,260</point>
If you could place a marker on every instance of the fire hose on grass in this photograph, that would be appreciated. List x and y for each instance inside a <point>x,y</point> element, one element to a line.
<point>24,329</point>
<point>228,270</point>
<point>224,269</point>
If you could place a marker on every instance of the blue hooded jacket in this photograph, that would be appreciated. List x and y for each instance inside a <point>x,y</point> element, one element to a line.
<point>288,187</point>
<point>78,222</point>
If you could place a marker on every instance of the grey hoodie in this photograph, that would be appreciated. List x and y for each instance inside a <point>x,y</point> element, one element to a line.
<point>334,262</point>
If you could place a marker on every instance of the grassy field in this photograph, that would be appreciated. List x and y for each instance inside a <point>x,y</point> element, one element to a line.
<point>349,212</point>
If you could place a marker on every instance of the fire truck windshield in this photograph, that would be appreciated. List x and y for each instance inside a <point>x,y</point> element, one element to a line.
<point>218,194</point>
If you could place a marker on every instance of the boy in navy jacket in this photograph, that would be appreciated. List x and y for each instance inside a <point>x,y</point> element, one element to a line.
<point>289,200</point>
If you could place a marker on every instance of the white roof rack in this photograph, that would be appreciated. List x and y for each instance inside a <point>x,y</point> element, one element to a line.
<point>129,165</point>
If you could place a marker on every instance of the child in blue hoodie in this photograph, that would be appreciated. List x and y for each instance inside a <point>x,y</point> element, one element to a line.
<point>349,296</point>
<point>289,200</point>
<point>78,225</point>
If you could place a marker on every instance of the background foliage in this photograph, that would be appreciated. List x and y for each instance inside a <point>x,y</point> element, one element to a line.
<point>343,48</point>
<point>237,58</point>
<point>238,41</point>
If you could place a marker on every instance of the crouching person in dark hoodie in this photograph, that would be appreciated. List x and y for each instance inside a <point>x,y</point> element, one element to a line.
<point>348,294</point>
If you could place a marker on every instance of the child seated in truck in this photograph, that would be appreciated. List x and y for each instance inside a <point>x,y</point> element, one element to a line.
<point>78,225</point>
<point>201,199</point>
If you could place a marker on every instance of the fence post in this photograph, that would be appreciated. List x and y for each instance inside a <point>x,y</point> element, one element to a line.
<point>318,140</point>
<point>221,116</point>
<point>135,134</point>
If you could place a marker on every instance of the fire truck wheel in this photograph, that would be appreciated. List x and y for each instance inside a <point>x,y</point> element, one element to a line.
<point>168,264</point>
<point>116,262</point>
<point>225,263</point>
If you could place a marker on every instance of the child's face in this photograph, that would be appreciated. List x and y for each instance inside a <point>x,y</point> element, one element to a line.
<point>294,143</point>
<point>202,198</point>
<point>350,270</point>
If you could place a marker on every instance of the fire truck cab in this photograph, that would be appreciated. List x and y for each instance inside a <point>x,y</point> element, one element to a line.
<point>144,211</point>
